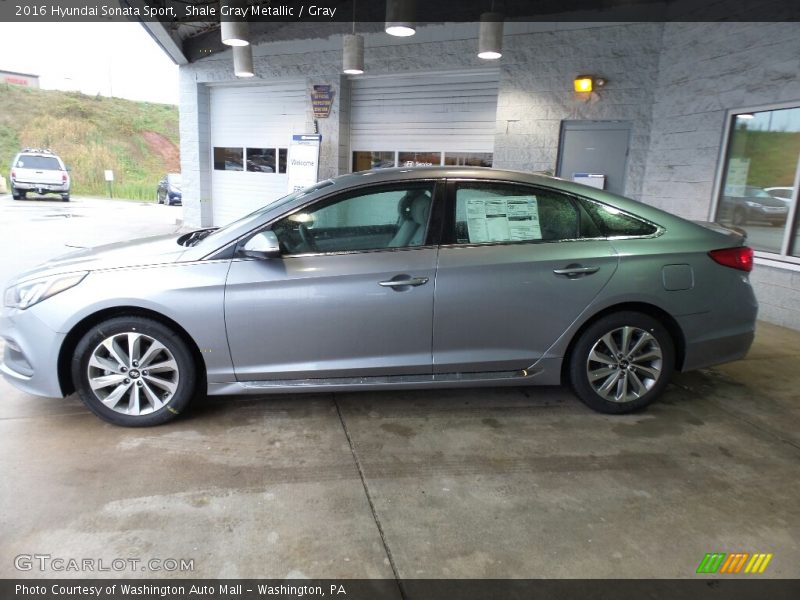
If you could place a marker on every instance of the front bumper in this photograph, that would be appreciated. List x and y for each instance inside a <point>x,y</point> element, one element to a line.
<point>30,353</point>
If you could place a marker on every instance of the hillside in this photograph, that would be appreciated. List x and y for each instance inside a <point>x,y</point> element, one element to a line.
<point>137,140</point>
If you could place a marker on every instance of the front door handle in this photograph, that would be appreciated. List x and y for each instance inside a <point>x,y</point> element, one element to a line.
<point>405,282</point>
<point>573,271</point>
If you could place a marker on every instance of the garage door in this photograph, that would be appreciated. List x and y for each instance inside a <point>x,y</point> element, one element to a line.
<point>251,127</point>
<point>424,119</point>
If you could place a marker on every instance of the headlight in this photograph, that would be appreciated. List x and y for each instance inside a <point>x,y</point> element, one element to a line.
<point>752,204</point>
<point>26,294</point>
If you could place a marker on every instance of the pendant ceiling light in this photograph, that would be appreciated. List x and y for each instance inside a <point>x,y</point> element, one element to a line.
<point>243,61</point>
<point>353,59</point>
<point>401,17</point>
<point>353,50</point>
<point>490,39</point>
<point>234,33</point>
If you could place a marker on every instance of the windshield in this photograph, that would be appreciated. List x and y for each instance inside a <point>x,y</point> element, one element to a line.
<point>256,215</point>
<point>754,192</point>
<point>174,178</point>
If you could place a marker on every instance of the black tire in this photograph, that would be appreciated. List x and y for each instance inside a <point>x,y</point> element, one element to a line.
<point>65,197</point>
<point>644,329</point>
<point>183,378</point>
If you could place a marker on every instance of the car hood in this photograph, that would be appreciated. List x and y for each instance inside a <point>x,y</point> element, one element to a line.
<point>141,252</point>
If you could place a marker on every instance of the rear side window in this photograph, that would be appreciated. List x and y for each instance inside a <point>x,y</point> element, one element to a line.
<point>488,212</point>
<point>614,223</point>
<point>32,161</point>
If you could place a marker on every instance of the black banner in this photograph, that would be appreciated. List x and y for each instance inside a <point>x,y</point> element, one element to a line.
<point>701,588</point>
<point>374,11</point>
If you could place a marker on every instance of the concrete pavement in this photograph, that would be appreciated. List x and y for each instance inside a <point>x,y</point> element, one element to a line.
<point>520,482</point>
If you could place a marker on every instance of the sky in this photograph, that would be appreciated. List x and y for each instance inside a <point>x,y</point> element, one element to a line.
<point>112,59</point>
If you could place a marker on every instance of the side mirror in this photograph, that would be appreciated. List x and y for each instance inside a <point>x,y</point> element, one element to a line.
<point>262,245</point>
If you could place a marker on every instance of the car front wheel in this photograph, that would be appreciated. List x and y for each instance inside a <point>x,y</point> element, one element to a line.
<point>622,362</point>
<point>134,372</point>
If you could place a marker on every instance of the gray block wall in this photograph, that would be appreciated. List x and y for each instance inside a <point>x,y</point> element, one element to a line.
<point>674,82</point>
<point>706,69</point>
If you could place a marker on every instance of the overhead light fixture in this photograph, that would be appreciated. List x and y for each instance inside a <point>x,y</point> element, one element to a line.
<point>243,61</point>
<point>490,38</point>
<point>353,50</point>
<point>234,33</point>
<point>401,17</point>
<point>746,116</point>
<point>353,59</point>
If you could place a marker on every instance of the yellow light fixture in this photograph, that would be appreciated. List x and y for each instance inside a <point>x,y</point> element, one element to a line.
<point>583,83</point>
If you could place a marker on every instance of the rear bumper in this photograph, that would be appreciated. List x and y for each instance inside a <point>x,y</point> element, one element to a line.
<point>55,188</point>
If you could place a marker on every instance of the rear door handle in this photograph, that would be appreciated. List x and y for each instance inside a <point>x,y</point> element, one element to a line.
<point>406,282</point>
<point>573,271</point>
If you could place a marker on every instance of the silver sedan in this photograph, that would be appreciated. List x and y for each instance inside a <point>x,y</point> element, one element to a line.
<point>398,278</point>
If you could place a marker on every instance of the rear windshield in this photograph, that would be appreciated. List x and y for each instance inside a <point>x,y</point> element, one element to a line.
<point>31,161</point>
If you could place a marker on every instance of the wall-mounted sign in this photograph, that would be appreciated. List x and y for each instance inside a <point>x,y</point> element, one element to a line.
<point>303,163</point>
<point>321,101</point>
<point>595,180</point>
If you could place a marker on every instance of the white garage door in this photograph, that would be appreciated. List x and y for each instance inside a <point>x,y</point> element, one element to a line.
<point>432,118</point>
<point>251,128</point>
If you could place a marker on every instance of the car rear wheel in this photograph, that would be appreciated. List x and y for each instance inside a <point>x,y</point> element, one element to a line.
<point>65,197</point>
<point>134,372</point>
<point>622,362</point>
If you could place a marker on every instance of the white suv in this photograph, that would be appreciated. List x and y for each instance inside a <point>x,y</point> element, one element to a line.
<point>39,171</point>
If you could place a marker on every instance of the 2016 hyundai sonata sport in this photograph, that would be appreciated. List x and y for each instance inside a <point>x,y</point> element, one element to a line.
<point>399,278</point>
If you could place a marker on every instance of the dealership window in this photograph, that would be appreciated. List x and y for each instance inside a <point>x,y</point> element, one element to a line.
<point>759,178</point>
<point>468,159</point>
<point>364,160</point>
<point>228,159</point>
<point>261,160</point>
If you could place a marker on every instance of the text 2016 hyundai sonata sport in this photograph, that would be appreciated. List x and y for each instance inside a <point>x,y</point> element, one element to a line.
<point>411,278</point>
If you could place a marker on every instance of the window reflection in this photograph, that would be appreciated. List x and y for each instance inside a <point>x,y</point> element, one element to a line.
<point>760,166</point>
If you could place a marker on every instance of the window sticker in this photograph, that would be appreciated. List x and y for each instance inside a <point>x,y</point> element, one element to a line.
<point>503,219</point>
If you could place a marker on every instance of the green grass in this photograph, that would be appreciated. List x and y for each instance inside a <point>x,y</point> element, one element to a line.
<point>91,134</point>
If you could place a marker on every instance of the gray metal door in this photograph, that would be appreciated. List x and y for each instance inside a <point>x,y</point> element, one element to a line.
<point>328,316</point>
<point>595,147</point>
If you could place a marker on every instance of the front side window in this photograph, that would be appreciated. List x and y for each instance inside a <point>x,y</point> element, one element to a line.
<point>498,212</point>
<point>381,218</point>
<point>762,155</point>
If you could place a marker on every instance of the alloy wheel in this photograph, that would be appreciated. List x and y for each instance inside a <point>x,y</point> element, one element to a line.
<point>133,373</point>
<point>624,364</point>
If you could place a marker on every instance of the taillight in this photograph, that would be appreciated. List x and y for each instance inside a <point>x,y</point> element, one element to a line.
<point>737,258</point>
<point>13,174</point>
<point>63,178</point>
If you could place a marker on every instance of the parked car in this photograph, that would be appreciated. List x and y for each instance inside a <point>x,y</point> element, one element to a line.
<point>394,278</point>
<point>781,193</point>
<point>753,204</point>
<point>39,171</point>
<point>169,189</point>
